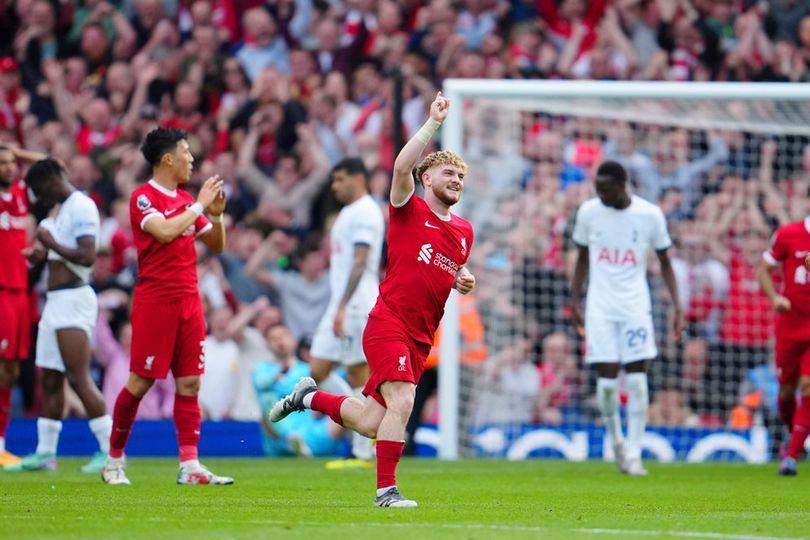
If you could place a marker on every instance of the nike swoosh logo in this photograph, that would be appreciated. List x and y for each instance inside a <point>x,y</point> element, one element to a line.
<point>170,212</point>
<point>430,225</point>
<point>201,365</point>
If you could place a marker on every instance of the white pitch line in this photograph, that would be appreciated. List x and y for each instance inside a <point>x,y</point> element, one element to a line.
<point>458,526</point>
<point>685,534</point>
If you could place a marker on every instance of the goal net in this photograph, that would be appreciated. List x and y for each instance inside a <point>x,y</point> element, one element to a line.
<point>727,163</point>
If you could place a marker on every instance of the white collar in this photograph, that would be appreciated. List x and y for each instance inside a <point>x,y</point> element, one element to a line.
<point>443,217</point>
<point>169,192</point>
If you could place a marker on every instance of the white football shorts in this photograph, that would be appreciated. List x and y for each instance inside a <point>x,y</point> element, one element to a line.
<point>619,341</point>
<point>64,308</point>
<point>347,350</point>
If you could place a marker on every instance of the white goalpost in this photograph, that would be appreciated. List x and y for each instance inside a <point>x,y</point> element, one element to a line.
<point>725,161</point>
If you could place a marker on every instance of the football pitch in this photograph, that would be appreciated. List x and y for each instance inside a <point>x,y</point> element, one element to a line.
<point>470,499</point>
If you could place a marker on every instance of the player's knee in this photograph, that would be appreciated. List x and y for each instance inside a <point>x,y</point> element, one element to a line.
<point>402,404</point>
<point>138,386</point>
<point>8,373</point>
<point>320,370</point>
<point>787,392</point>
<point>188,386</point>
<point>51,382</point>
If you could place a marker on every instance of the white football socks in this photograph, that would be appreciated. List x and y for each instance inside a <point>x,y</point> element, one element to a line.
<point>637,405</point>
<point>607,396</point>
<point>48,435</point>
<point>102,429</point>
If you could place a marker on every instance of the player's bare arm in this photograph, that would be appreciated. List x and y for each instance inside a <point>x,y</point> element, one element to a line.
<point>580,273</point>
<point>166,230</point>
<point>358,267</point>
<point>214,239</point>
<point>780,303</point>
<point>672,286</point>
<point>83,254</point>
<point>402,185</point>
<point>465,281</point>
<point>27,155</point>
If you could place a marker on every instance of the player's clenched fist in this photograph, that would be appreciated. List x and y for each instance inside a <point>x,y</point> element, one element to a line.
<point>465,281</point>
<point>439,108</point>
<point>210,190</point>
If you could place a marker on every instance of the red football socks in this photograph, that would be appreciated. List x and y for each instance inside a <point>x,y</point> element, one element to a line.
<point>329,405</point>
<point>5,409</point>
<point>801,425</point>
<point>124,412</point>
<point>187,424</point>
<point>388,454</point>
<point>787,407</point>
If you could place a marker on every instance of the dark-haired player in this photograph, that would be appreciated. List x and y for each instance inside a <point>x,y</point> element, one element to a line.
<point>356,241</point>
<point>70,239</point>
<point>167,318</point>
<point>428,247</point>
<point>614,232</point>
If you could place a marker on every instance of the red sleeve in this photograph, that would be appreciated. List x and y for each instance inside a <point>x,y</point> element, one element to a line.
<point>140,208</point>
<point>202,225</point>
<point>778,249</point>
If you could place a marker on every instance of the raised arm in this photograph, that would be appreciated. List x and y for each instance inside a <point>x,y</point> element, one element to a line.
<point>402,185</point>
<point>166,230</point>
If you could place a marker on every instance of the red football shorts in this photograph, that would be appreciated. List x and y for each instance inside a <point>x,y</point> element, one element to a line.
<point>392,355</point>
<point>168,335</point>
<point>792,360</point>
<point>15,324</point>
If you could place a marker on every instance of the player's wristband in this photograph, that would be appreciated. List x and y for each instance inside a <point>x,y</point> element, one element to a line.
<point>215,219</point>
<point>427,131</point>
<point>197,208</point>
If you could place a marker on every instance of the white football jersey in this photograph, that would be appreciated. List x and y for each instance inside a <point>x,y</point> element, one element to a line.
<point>618,242</point>
<point>77,217</point>
<point>358,223</point>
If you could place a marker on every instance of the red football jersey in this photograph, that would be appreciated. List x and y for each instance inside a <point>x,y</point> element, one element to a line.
<point>424,254</point>
<point>789,247</point>
<point>14,237</point>
<point>165,271</point>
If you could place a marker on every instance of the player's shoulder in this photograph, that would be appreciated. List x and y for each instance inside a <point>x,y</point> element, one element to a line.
<point>794,228</point>
<point>589,207</point>
<point>364,207</point>
<point>81,202</point>
<point>644,206</point>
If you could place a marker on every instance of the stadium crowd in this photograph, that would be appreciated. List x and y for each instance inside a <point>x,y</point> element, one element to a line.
<point>274,93</point>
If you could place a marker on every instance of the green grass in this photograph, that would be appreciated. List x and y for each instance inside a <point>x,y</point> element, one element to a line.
<point>466,499</point>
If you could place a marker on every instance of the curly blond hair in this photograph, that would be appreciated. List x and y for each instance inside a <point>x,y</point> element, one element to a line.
<point>442,157</point>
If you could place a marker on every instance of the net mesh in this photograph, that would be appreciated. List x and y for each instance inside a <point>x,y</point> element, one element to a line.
<point>725,173</point>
